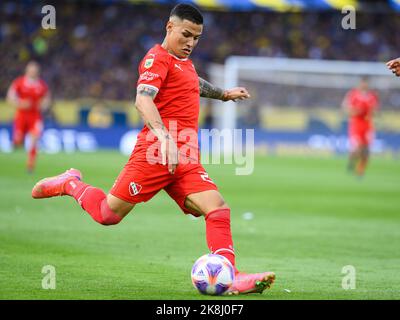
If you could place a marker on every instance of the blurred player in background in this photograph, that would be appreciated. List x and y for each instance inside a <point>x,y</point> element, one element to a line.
<point>30,95</point>
<point>168,100</point>
<point>394,66</point>
<point>360,104</point>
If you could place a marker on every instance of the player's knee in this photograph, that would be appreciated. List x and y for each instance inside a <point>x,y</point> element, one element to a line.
<point>17,142</point>
<point>221,205</point>
<point>217,206</point>
<point>118,206</point>
<point>223,212</point>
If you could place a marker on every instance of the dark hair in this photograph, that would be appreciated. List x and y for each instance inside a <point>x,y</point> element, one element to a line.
<point>188,12</point>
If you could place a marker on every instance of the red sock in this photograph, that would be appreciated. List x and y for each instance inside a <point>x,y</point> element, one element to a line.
<point>361,167</point>
<point>218,233</point>
<point>32,157</point>
<point>93,201</point>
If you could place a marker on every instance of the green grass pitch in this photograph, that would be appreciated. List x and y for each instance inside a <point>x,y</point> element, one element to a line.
<point>310,219</point>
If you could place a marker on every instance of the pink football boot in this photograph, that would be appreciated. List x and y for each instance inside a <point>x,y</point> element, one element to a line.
<point>251,283</point>
<point>54,186</point>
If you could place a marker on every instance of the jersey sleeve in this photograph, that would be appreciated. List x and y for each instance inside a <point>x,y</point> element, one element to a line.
<point>349,99</point>
<point>15,85</point>
<point>44,89</point>
<point>153,71</point>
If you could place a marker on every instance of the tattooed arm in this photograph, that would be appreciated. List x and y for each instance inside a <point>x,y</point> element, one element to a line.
<point>208,90</point>
<point>149,112</point>
<point>152,119</point>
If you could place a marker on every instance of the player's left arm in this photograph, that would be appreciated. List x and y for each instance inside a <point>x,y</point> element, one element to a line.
<point>376,104</point>
<point>345,103</point>
<point>208,90</point>
<point>12,96</point>
<point>347,106</point>
<point>45,104</point>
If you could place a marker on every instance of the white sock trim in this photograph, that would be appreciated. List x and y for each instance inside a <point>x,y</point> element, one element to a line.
<point>83,193</point>
<point>224,249</point>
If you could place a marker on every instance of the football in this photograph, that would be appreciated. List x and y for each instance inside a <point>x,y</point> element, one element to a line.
<point>212,274</point>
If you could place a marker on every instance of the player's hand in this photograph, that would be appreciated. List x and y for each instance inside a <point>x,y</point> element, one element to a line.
<point>24,103</point>
<point>169,153</point>
<point>234,94</point>
<point>394,66</point>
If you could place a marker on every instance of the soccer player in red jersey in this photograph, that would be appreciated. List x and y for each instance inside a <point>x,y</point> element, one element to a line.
<point>360,103</point>
<point>30,95</point>
<point>168,98</point>
<point>394,66</point>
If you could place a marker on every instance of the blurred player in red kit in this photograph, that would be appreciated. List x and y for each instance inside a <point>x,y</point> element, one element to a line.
<point>30,96</point>
<point>360,103</point>
<point>168,99</point>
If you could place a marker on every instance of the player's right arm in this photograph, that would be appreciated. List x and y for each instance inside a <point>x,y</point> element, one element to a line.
<point>13,98</point>
<point>347,106</point>
<point>152,119</point>
<point>153,71</point>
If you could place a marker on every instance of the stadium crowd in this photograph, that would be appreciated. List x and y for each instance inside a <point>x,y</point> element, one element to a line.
<point>95,49</point>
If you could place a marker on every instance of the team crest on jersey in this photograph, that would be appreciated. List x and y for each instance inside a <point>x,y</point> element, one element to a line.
<point>134,188</point>
<point>148,63</point>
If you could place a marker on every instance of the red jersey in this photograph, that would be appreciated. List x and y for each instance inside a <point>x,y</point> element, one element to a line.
<point>33,91</point>
<point>177,100</point>
<point>364,104</point>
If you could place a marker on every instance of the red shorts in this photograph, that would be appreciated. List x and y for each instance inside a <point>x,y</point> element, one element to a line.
<point>360,136</point>
<point>24,124</point>
<point>139,181</point>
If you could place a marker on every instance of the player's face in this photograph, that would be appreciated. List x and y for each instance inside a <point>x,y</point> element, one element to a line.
<point>183,36</point>
<point>32,70</point>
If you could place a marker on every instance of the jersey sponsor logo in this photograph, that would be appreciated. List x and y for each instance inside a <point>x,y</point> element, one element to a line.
<point>148,63</point>
<point>148,76</point>
<point>134,188</point>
